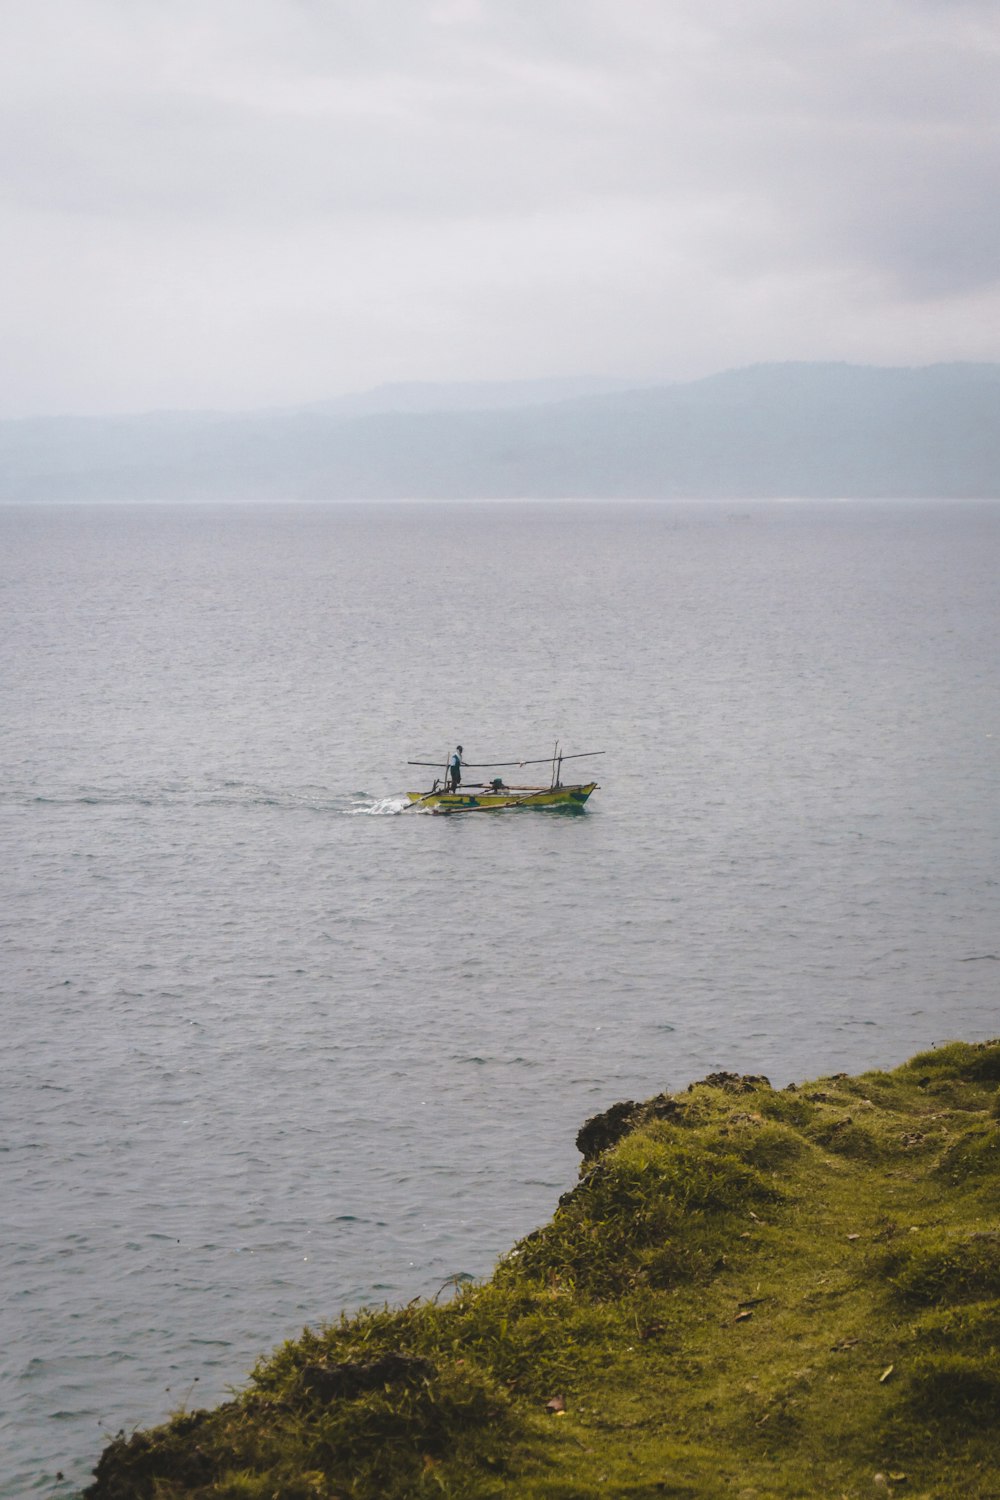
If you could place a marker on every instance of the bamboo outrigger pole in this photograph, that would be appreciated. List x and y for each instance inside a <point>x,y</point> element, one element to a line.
<point>493,765</point>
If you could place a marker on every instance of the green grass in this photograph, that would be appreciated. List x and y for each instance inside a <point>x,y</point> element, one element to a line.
<point>749,1293</point>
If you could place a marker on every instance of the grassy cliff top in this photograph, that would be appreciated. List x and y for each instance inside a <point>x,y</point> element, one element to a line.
<point>749,1293</point>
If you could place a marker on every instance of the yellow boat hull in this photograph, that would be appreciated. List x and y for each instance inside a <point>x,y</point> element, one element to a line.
<point>483,799</point>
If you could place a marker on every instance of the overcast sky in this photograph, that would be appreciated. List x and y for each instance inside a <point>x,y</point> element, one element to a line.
<point>238,203</point>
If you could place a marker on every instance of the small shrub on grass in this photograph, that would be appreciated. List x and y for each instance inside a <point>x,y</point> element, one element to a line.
<point>978,1062</point>
<point>533,1339</point>
<point>380,1442</point>
<point>655,1200</point>
<point>363,1336</point>
<point>658,1176</point>
<point>974,1157</point>
<point>886,1091</point>
<point>388,1433</point>
<point>945,1270</point>
<point>763,1144</point>
<point>846,1136</point>
<point>984,1064</point>
<point>956,1094</point>
<point>790,1109</point>
<point>948,1061</point>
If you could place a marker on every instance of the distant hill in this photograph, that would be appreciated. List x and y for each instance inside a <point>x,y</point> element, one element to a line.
<point>469,395</point>
<point>806,430</point>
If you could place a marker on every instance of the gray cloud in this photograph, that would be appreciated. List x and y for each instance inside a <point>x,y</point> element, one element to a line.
<point>273,200</point>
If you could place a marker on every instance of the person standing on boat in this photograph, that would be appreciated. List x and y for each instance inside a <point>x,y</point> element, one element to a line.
<point>455,769</point>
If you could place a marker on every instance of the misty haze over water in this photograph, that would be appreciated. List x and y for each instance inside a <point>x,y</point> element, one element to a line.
<point>276,1048</point>
<point>818,431</point>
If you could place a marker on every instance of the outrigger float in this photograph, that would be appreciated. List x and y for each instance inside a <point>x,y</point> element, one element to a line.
<point>496,795</point>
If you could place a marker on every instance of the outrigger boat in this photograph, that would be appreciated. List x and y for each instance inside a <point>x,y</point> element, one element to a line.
<point>496,795</point>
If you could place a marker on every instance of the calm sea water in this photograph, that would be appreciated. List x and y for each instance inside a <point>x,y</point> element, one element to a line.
<point>273,1048</point>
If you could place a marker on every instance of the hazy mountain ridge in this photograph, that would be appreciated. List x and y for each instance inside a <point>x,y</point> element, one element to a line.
<point>810,430</point>
<point>476,395</point>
